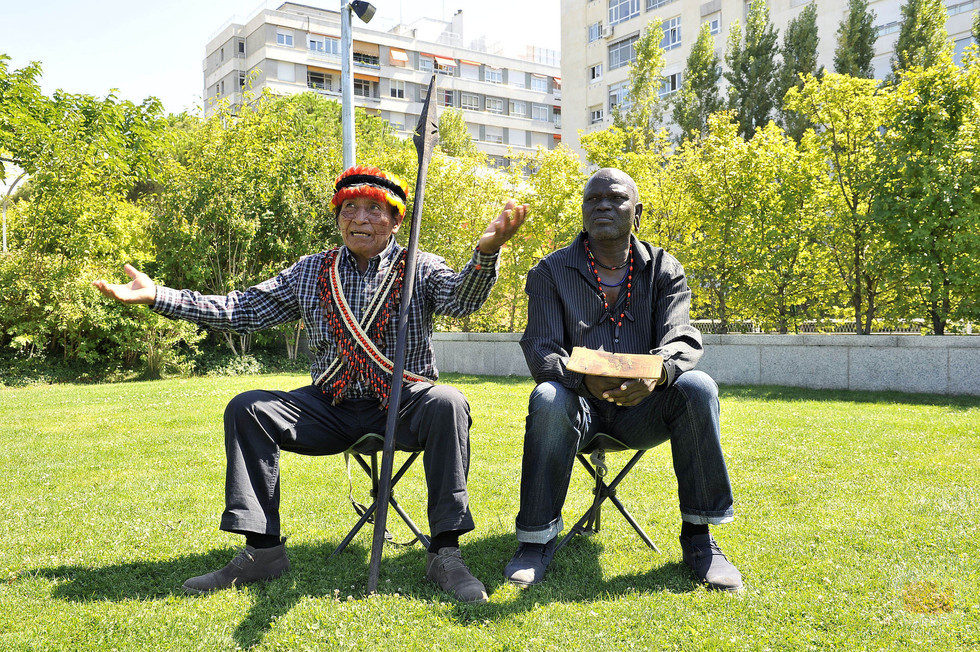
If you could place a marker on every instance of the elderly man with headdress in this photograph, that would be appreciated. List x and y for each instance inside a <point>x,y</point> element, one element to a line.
<point>348,298</point>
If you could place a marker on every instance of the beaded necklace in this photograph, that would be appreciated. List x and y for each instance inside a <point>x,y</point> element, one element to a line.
<point>628,278</point>
<point>356,364</point>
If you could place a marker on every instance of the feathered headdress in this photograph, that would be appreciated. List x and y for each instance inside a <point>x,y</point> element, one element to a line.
<point>371,182</point>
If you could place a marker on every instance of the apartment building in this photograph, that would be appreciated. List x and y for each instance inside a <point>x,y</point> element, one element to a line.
<point>598,36</point>
<point>510,104</point>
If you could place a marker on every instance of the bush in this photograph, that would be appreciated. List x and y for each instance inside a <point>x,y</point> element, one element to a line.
<point>48,307</point>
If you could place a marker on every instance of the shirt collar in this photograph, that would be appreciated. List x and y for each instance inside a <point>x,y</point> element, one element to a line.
<point>388,254</point>
<point>580,260</point>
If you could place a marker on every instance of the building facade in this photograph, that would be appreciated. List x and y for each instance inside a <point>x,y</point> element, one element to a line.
<point>597,39</point>
<point>510,105</point>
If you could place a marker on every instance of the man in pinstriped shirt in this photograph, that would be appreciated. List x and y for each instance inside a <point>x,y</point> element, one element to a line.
<point>612,291</point>
<point>351,373</point>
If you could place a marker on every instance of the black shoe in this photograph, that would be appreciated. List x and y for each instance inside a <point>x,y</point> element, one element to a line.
<point>709,563</point>
<point>529,563</point>
<point>249,565</point>
<point>447,570</point>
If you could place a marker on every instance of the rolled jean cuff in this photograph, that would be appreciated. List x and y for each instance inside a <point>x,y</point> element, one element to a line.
<point>708,518</point>
<point>541,534</point>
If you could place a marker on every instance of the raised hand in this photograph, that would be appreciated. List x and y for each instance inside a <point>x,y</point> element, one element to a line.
<point>503,227</point>
<point>140,290</point>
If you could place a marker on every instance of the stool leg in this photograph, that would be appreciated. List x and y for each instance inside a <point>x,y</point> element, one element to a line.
<point>357,528</point>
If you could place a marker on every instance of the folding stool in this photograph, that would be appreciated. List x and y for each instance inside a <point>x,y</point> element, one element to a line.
<point>596,448</point>
<point>371,445</point>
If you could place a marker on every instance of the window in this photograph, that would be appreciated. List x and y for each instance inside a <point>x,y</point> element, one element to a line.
<point>318,80</point>
<point>517,137</point>
<point>517,79</point>
<point>324,45</point>
<point>364,88</point>
<point>221,54</point>
<point>518,109</point>
<point>469,71</point>
<point>595,31</point>
<point>540,112</point>
<point>617,96</point>
<point>539,83</point>
<point>959,8</point>
<point>595,115</point>
<point>284,38</point>
<point>495,105</point>
<point>672,84</point>
<point>286,71</point>
<point>446,98</point>
<point>672,34</point>
<point>397,89</point>
<point>222,92</point>
<point>366,59</point>
<point>241,80</point>
<point>714,22</point>
<point>493,75</point>
<point>241,47</point>
<point>425,63</point>
<point>595,72</point>
<point>445,66</point>
<point>655,4</point>
<point>397,57</point>
<point>493,134</point>
<point>469,101</point>
<point>959,48</point>
<point>620,10</point>
<point>622,53</point>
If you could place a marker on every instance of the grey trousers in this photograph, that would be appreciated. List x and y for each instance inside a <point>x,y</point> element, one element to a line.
<point>259,423</point>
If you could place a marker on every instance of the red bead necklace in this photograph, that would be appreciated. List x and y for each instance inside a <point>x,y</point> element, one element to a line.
<point>618,322</point>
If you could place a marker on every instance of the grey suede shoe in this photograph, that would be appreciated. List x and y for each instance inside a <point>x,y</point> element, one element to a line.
<point>249,565</point>
<point>709,563</point>
<point>446,568</point>
<point>530,562</point>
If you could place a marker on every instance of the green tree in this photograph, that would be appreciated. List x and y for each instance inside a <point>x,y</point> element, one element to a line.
<point>790,275</point>
<point>856,41</point>
<point>929,204</point>
<point>22,113</point>
<point>639,115</point>
<point>976,27</point>
<point>849,114</point>
<point>718,177</point>
<point>86,157</point>
<point>698,97</point>
<point>454,137</point>
<point>246,195</point>
<point>799,58</point>
<point>751,74</point>
<point>922,38</point>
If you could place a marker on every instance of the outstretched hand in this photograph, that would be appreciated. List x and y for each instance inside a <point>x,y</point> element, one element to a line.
<point>140,290</point>
<point>503,227</point>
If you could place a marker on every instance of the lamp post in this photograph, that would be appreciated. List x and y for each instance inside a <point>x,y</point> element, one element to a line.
<point>365,11</point>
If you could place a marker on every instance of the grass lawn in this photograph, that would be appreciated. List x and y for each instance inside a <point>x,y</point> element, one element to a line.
<point>856,528</point>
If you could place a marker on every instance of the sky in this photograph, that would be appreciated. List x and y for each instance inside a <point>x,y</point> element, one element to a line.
<point>157,49</point>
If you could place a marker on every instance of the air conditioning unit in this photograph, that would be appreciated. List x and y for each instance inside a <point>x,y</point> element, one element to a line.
<point>607,31</point>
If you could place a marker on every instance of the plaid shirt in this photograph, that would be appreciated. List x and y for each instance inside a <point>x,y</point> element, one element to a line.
<point>295,293</point>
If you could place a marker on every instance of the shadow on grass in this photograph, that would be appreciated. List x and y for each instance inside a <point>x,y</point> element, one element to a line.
<point>789,394</point>
<point>575,576</point>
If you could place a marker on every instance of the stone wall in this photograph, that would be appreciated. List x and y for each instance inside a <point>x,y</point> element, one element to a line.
<point>904,363</point>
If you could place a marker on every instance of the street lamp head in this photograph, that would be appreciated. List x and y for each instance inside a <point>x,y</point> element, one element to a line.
<point>364,10</point>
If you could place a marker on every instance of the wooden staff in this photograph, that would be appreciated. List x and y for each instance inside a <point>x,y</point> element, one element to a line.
<point>425,138</point>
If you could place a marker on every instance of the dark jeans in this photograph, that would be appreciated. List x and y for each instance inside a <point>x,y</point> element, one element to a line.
<point>260,423</point>
<point>560,422</point>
